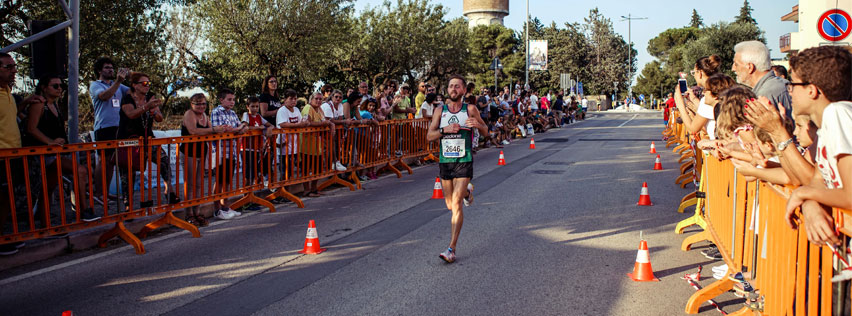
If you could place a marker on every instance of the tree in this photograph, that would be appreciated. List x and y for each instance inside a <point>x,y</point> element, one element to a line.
<point>661,46</point>
<point>248,40</point>
<point>488,41</point>
<point>608,60</point>
<point>745,14</point>
<point>654,81</point>
<point>696,21</point>
<point>719,39</point>
<point>568,52</point>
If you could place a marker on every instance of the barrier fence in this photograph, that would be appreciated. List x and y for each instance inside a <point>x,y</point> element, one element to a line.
<point>47,190</point>
<point>745,220</point>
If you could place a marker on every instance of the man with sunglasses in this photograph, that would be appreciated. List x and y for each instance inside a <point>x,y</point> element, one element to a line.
<point>10,137</point>
<point>106,94</point>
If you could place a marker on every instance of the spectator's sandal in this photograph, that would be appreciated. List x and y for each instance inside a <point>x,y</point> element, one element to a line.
<point>312,194</point>
<point>756,305</point>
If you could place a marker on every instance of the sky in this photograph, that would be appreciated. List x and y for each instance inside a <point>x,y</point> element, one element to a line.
<point>661,15</point>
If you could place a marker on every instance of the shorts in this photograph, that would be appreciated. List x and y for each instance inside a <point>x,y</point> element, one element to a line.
<point>107,133</point>
<point>454,170</point>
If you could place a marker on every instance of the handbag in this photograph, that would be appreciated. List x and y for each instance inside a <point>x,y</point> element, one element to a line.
<point>133,162</point>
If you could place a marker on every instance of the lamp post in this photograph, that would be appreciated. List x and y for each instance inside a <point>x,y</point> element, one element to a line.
<point>527,47</point>
<point>629,18</point>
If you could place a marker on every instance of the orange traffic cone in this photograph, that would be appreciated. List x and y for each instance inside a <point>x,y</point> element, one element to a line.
<point>642,270</point>
<point>644,198</point>
<point>502,160</point>
<point>653,149</point>
<point>67,313</point>
<point>532,143</point>
<point>657,164</point>
<point>312,244</point>
<point>438,192</point>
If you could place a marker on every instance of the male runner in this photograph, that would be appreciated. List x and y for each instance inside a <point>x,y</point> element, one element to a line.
<point>453,124</point>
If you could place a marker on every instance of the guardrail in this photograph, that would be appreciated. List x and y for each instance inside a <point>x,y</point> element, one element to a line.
<point>251,161</point>
<point>745,220</point>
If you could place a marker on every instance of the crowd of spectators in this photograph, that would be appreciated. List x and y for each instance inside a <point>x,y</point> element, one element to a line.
<point>785,128</point>
<point>124,108</point>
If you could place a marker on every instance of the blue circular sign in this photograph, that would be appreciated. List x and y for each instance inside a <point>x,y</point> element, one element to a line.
<point>833,25</point>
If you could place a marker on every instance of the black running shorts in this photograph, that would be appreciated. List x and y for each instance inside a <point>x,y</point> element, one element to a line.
<point>453,170</point>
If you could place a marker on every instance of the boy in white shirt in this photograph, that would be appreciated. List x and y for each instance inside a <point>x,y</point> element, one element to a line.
<point>821,87</point>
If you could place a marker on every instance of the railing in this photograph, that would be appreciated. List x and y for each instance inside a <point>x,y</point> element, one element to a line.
<point>206,169</point>
<point>745,220</point>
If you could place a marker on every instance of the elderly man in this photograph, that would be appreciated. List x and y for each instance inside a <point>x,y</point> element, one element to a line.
<point>754,69</point>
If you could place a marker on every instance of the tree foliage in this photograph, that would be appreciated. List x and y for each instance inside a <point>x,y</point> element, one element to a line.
<point>696,21</point>
<point>661,46</point>
<point>608,55</point>
<point>719,39</point>
<point>745,14</point>
<point>488,41</point>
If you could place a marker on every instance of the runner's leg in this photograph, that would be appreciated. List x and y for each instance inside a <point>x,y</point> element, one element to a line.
<point>459,192</point>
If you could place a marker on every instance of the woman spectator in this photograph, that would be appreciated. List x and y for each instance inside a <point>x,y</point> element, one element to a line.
<point>703,69</point>
<point>195,122</point>
<point>139,110</point>
<point>46,126</point>
<point>312,144</point>
<point>269,99</point>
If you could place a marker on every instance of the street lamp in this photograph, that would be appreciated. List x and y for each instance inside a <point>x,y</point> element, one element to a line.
<point>629,18</point>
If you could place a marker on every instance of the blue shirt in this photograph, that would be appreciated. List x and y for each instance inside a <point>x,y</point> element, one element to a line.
<point>106,112</point>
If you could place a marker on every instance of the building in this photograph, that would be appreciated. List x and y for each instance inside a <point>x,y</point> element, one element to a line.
<point>821,22</point>
<point>486,12</point>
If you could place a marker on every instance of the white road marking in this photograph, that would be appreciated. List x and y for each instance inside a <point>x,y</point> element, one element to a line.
<point>628,121</point>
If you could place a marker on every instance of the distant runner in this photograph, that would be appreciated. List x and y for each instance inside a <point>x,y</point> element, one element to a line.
<point>453,124</point>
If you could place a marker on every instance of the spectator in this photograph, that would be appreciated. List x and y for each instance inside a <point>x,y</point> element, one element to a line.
<point>107,93</point>
<point>46,126</point>
<point>288,117</point>
<point>195,122</point>
<point>369,110</point>
<point>254,146</point>
<point>428,108</point>
<point>402,106</point>
<point>139,109</point>
<point>752,67</point>
<point>705,118</point>
<point>557,108</point>
<point>10,137</point>
<point>269,101</point>
<point>534,100</point>
<point>421,95</point>
<point>669,104</point>
<point>352,104</point>
<point>780,72</point>
<point>333,111</point>
<point>227,120</point>
<point>384,108</point>
<point>544,102</point>
<point>821,87</point>
<point>311,147</point>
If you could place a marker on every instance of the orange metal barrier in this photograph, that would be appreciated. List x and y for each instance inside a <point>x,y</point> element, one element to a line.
<point>206,169</point>
<point>745,221</point>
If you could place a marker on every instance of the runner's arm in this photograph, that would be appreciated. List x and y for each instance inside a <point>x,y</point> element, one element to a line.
<point>434,133</point>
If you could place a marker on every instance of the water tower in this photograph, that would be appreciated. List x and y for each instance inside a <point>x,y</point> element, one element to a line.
<point>485,12</point>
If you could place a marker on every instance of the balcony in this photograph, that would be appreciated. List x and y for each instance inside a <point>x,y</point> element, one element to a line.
<point>785,43</point>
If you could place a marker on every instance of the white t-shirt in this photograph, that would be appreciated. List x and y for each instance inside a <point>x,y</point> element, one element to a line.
<point>533,102</point>
<point>834,140</point>
<point>284,115</point>
<point>332,112</point>
<point>706,111</point>
<point>425,106</point>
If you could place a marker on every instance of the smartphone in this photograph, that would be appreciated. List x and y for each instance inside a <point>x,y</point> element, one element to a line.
<point>682,84</point>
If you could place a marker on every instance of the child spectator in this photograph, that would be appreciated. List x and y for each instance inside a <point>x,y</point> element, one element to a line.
<point>255,160</point>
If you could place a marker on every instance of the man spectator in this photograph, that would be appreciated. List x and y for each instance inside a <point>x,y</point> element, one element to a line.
<point>224,116</point>
<point>670,103</point>
<point>402,108</point>
<point>10,137</point>
<point>752,67</point>
<point>106,94</point>
<point>558,107</point>
<point>534,101</point>
<point>333,111</point>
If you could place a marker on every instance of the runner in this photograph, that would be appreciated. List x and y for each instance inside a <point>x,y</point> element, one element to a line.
<point>453,124</point>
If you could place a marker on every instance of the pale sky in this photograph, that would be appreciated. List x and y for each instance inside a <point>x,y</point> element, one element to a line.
<point>661,14</point>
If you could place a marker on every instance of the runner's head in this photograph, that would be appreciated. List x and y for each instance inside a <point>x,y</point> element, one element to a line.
<point>456,88</point>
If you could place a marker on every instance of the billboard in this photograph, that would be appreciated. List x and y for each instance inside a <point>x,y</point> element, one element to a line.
<point>538,55</point>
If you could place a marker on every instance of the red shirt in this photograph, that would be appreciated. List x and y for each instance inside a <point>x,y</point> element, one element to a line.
<point>670,103</point>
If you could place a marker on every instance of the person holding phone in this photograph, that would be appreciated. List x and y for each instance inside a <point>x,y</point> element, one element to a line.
<point>139,110</point>
<point>705,118</point>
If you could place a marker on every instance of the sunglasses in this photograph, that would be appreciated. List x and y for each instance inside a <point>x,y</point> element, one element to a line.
<point>144,83</point>
<point>204,104</point>
<point>55,86</point>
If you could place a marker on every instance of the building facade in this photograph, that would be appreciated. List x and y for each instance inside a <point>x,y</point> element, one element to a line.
<point>486,12</point>
<point>820,22</point>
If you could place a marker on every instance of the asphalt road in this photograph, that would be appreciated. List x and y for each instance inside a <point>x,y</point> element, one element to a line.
<point>551,233</point>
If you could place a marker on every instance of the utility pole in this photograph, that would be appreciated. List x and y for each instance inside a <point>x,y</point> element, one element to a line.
<point>629,18</point>
<point>527,47</point>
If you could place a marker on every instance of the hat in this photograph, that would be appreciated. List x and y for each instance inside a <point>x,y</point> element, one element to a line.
<point>404,86</point>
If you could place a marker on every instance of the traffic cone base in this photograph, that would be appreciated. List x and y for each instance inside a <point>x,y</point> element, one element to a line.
<point>644,198</point>
<point>502,160</point>
<point>532,143</point>
<point>438,191</point>
<point>657,164</point>
<point>653,149</point>
<point>642,271</point>
<point>312,244</point>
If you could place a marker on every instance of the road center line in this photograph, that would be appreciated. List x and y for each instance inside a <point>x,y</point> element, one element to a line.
<point>628,121</point>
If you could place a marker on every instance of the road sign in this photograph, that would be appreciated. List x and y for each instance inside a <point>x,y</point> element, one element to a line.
<point>642,97</point>
<point>833,25</point>
<point>496,64</point>
<point>563,81</point>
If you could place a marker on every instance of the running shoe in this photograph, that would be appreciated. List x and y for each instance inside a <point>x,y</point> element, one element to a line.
<point>449,256</point>
<point>720,268</point>
<point>715,255</point>
<point>469,199</point>
<point>224,214</point>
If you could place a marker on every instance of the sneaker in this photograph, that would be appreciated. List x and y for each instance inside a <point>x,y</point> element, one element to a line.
<point>449,256</point>
<point>339,166</point>
<point>88,215</point>
<point>8,249</point>
<point>399,153</point>
<point>234,212</point>
<point>363,178</point>
<point>710,249</point>
<point>715,255</point>
<point>505,142</point>
<point>720,268</point>
<point>469,199</point>
<point>224,214</point>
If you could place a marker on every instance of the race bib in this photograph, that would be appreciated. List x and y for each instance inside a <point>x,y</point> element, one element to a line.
<point>453,148</point>
<point>115,103</point>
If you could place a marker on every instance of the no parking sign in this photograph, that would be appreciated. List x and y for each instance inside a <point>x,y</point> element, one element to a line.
<point>833,25</point>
